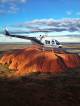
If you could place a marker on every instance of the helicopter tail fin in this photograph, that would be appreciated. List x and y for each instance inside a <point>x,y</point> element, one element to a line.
<point>6,32</point>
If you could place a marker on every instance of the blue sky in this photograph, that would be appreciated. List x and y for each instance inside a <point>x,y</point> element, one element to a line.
<point>41,15</point>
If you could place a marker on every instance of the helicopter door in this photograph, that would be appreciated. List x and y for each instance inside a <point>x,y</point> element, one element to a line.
<point>47,42</point>
<point>53,42</point>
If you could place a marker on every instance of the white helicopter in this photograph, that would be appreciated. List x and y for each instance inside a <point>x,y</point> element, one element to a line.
<point>42,40</point>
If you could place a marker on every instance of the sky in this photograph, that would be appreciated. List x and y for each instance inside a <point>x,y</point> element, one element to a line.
<point>46,16</point>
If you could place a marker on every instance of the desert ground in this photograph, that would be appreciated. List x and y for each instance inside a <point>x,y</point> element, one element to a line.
<point>39,89</point>
<point>71,47</point>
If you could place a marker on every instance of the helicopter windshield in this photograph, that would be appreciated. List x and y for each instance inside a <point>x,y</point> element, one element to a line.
<point>53,42</point>
<point>57,42</point>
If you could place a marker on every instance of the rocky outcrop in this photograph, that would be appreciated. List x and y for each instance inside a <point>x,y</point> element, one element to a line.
<point>34,59</point>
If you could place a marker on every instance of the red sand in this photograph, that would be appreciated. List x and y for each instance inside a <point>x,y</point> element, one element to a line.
<point>33,59</point>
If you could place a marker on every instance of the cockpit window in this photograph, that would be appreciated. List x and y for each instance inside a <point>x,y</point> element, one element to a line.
<point>53,42</point>
<point>57,42</point>
<point>47,41</point>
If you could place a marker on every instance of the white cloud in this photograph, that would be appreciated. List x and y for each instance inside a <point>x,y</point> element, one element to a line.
<point>52,25</point>
<point>78,13</point>
<point>23,1</point>
<point>2,12</point>
<point>13,10</point>
<point>12,6</point>
<point>8,1</point>
<point>69,12</point>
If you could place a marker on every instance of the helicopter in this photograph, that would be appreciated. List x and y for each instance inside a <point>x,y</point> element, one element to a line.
<point>42,40</point>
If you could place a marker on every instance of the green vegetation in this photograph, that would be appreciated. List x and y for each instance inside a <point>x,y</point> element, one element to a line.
<point>5,71</point>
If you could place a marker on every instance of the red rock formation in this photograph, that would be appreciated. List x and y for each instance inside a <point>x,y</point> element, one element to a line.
<point>34,59</point>
<point>70,60</point>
